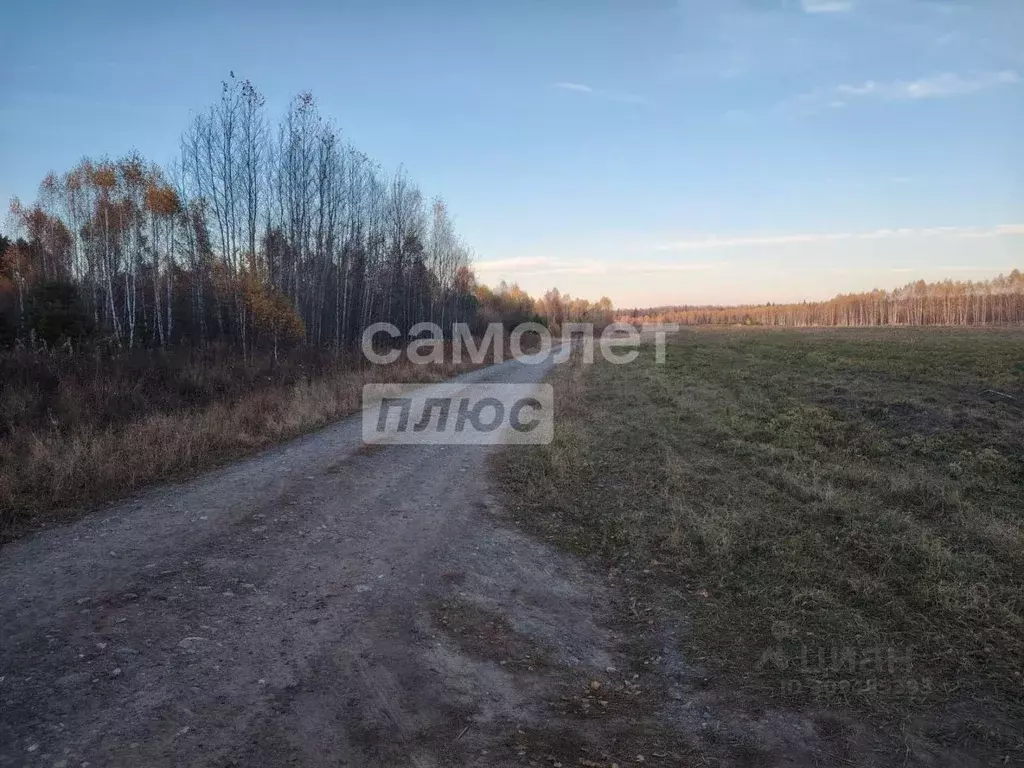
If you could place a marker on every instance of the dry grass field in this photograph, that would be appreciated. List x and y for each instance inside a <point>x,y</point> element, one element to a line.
<point>822,520</point>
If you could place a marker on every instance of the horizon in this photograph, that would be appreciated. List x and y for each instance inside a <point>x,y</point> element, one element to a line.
<point>662,153</point>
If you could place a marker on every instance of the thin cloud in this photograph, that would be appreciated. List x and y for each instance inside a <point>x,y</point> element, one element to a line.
<point>550,266</point>
<point>942,86</point>
<point>946,85</point>
<point>652,267</point>
<point>578,87</point>
<point>625,98</point>
<point>828,6</point>
<point>941,269</point>
<point>519,262</point>
<point>1003,230</point>
<point>544,265</point>
<point>541,265</point>
<point>712,243</point>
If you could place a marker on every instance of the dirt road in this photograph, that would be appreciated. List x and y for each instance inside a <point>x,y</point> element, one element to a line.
<point>328,603</point>
<point>320,604</point>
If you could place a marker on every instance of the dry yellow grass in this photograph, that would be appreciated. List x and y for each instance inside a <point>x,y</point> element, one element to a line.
<point>51,473</point>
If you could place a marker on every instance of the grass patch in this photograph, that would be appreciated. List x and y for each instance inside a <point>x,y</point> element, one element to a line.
<point>839,513</point>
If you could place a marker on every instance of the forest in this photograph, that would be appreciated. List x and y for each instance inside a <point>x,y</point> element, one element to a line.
<point>257,236</point>
<point>999,301</point>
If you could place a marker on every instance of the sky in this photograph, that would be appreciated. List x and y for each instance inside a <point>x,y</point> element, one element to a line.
<point>654,151</point>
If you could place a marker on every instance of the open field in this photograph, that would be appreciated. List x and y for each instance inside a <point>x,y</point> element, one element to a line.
<point>822,521</point>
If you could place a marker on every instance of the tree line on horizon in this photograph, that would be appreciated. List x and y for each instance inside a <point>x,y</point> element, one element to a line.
<point>254,236</point>
<point>999,301</point>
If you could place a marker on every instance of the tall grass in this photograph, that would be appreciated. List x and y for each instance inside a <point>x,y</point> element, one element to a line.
<point>77,430</point>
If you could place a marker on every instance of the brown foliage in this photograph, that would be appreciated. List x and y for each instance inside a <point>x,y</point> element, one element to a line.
<point>162,199</point>
<point>271,312</point>
<point>104,176</point>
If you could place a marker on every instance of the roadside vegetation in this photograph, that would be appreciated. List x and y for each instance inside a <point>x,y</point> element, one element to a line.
<point>79,429</point>
<point>821,520</point>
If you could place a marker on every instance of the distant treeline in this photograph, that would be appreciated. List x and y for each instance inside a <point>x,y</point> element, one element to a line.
<point>254,236</point>
<point>991,302</point>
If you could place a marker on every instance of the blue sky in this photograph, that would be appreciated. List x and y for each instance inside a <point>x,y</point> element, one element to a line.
<point>653,151</point>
